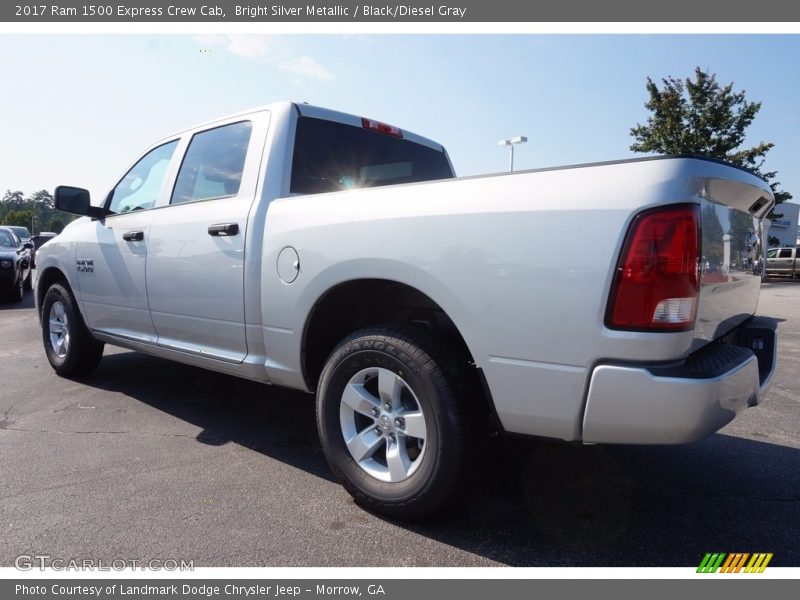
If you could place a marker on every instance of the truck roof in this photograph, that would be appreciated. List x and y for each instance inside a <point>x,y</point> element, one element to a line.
<point>308,110</point>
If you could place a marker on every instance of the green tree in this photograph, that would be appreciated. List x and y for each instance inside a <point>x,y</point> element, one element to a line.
<point>42,204</point>
<point>701,117</point>
<point>21,218</point>
<point>43,198</point>
<point>13,200</point>
<point>37,212</point>
<point>56,225</point>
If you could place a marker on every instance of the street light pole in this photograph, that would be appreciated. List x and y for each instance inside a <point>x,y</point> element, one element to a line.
<point>511,142</point>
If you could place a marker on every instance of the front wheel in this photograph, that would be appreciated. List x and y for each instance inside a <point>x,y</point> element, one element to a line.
<point>70,347</point>
<point>396,427</point>
<point>17,293</point>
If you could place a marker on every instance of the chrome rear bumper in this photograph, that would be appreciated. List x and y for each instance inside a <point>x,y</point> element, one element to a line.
<point>684,402</point>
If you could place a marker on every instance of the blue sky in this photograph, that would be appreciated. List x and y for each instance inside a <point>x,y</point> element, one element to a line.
<point>77,109</point>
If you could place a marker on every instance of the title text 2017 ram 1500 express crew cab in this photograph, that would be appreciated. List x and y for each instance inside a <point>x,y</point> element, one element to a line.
<point>325,252</point>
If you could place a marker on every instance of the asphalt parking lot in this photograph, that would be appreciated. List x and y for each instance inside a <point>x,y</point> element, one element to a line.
<point>148,459</point>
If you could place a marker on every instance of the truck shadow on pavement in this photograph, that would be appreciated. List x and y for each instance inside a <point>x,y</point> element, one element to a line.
<point>531,503</point>
<point>26,304</point>
<point>571,505</point>
<point>277,422</point>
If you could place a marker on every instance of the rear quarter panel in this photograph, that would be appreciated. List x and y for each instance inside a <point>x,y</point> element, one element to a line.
<point>521,263</point>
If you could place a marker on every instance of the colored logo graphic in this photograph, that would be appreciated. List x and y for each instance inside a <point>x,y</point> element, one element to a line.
<point>735,562</point>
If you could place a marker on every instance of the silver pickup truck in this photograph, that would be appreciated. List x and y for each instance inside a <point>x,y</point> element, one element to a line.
<point>782,262</point>
<point>338,255</point>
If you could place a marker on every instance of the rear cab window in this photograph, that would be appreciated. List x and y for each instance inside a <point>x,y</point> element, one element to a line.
<point>785,253</point>
<point>331,156</point>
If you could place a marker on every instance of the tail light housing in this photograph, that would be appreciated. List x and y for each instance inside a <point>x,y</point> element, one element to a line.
<point>657,281</point>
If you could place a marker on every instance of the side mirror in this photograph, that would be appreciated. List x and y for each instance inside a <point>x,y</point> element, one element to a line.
<point>28,245</point>
<point>77,202</point>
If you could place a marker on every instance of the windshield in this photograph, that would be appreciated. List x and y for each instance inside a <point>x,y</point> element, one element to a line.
<point>7,240</point>
<point>22,232</point>
<point>330,156</point>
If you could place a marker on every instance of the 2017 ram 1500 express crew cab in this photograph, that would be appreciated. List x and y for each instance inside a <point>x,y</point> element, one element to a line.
<point>325,252</point>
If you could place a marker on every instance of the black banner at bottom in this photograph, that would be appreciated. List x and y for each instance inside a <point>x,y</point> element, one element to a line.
<point>385,589</point>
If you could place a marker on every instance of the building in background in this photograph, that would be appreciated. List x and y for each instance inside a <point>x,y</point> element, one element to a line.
<point>785,228</point>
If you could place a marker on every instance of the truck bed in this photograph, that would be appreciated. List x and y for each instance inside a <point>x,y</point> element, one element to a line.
<point>523,264</point>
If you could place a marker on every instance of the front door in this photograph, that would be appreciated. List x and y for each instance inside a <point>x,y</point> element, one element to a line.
<point>111,264</point>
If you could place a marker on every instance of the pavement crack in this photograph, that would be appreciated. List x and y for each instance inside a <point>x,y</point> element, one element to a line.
<point>104,432</point>
<point>6,422</point>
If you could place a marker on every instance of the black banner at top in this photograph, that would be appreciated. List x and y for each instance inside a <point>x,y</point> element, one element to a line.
<point>407,11</point>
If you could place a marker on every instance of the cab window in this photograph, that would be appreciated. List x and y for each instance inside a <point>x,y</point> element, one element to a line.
<point>213,165</point>
<point>785,253</point>
<point>331,156</point>
<point>140,186</point>
<point>772,253</point>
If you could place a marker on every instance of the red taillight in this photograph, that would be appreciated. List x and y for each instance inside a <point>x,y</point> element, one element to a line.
<point>373,125</point>
<point>657,282</point>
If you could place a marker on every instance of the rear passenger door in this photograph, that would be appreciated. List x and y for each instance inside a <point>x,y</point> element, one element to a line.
<point>195,263</point>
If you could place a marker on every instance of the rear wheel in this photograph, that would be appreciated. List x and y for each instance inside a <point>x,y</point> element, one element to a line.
<point>396,428</point>
<point>70,347</point>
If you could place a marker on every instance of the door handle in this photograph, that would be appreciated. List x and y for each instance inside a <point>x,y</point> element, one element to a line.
<point>223,229</point>
<point>133,236</point>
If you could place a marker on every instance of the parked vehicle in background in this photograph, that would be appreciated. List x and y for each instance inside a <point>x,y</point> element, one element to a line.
<point>15,267</point>
<point>782,262</point>
<point>25,237</point>
<point>21,232</point>
<point>39,240</point>
<point>335,254</point>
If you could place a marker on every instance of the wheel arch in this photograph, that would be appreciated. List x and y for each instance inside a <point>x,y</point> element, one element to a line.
<point>355,304</point>
<point>47,278</point>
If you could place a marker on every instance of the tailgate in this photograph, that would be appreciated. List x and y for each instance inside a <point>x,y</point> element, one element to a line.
<point>732,212</point>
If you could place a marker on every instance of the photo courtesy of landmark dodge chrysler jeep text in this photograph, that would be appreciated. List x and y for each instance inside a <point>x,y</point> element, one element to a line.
<point>311,249</point>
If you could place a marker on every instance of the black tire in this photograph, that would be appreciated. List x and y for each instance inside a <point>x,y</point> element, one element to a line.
<point>18,292</point>
<point>82,353</point>
<point>28,284</point>
<point>432,373</point>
